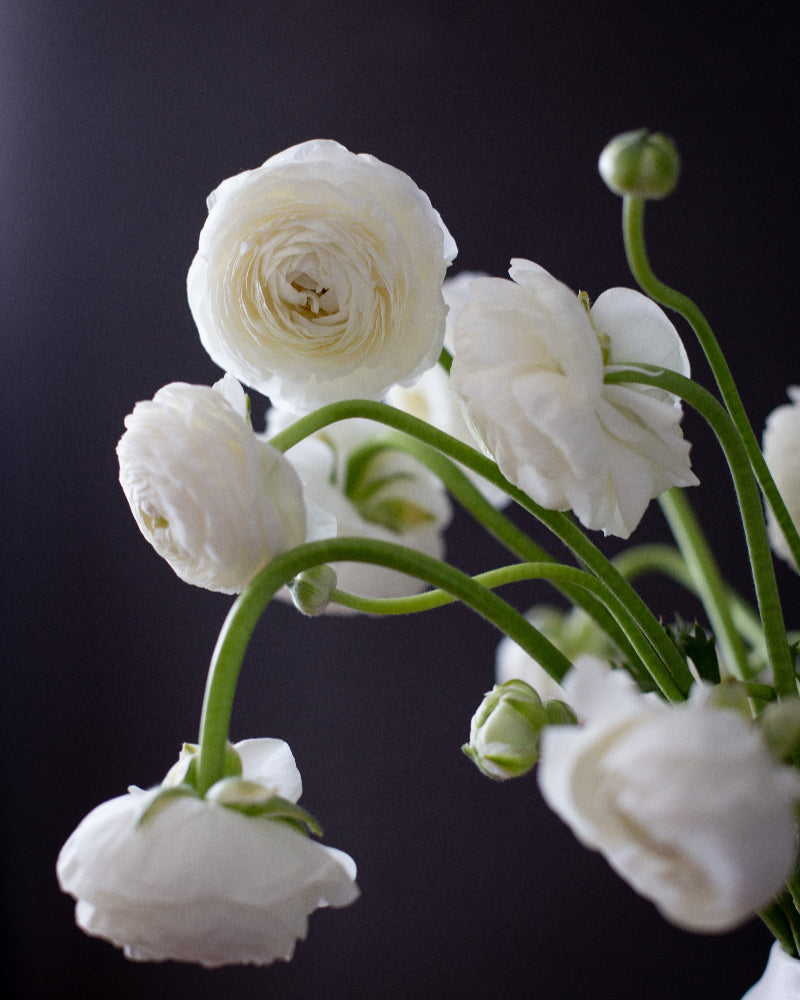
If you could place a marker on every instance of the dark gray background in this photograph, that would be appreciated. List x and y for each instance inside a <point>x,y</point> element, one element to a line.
<point>117,119</point>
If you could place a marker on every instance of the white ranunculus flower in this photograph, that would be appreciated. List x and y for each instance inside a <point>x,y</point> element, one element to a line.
<point>686,803</point>
<point>781,443</point>
<point>197,881</point>
<point>211,496</point>
<point>356,484</point>
<point>431,397</point>
<point>572,632</point>
<point>528,365</point>
<point>319,276</point>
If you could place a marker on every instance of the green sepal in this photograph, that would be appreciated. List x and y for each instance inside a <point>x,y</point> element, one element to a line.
<point>700,648</point>
<point>161,796</point>
<point>184,770</point>
<point>254,799</point>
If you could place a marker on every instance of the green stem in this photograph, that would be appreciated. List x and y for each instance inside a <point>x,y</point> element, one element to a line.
<point>247,609</point>
<point>708,581</point>
<point>463,490</point>
<point>656,558</point>
<point>552,571</point>
<point>560,524</point>
<point>636,251</point>
<point>755,531</point>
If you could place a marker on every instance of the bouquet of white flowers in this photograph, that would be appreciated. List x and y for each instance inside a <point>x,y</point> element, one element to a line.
<point>672,749</point>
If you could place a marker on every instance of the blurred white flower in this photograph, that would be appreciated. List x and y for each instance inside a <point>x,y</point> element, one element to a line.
<point>318,276</point>
<point>686,803</point>
<point>573,632</point>
<point>195,881</point>
<point>431,397</point>
<point>781,443</point>
<point>357,484</point>
<point>528,365</point>
<point>211,496</point>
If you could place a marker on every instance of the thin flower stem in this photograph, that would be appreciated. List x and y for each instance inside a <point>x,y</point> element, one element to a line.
<point>247,609</point>
<point>755,531</point>
<point>560,524</point>
<point>705,573</point>
<point>656,558</point>
<point>636,251</point>
<point>462,489</point>
<point>551,571</point>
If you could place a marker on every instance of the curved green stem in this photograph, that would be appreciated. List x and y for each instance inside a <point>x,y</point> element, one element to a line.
<point>247,609</point>
<point>551,571</point>
<point>705,573</point>
<point>462,489</point>
<point>560,524</point>
<point>657,558</point>
<point>636,251</point>
<point>755,531</point>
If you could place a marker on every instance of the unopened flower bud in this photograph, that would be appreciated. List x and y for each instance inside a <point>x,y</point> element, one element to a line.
<point>780,727</point>
<point>311,590</point>
<point>641,164</point>
<point>504,732</point>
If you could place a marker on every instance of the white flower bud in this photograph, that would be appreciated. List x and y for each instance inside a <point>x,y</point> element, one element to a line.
<point>504,731</point>
<point>572,632</point>
<point>216,500</point>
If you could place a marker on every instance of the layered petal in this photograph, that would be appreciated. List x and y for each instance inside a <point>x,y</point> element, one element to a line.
<point>195,881</point>
<point>529,364</point>
<point>685,802</point>
<point>213,498</point>
<point>318,276</point>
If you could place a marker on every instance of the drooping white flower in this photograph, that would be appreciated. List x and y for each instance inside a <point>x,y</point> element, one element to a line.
<point>572,632</point>
<point>781,443</point>
<point>318,276</point>
<point>431,397</point>
<point>193,880</point>
<point>356,484</point>
<point>686,803</point>
<point>216,500</point>
<point>528,366</point>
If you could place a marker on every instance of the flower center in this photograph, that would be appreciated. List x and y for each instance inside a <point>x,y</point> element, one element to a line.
<point>312,297</point>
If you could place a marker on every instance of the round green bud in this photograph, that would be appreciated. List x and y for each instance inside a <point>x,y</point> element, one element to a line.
<point>311,590</point>
<point>504,732</point>
<point>640,164</point>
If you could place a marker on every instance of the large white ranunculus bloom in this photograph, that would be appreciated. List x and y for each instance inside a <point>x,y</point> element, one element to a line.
<point>781,443</point>
<point>192,880</point>
<point>686,803</point>
<point>529,362</point>
<point>211,496</point>
<point>356,484</point>
<point>431,397</point>
<point>319,276</point>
